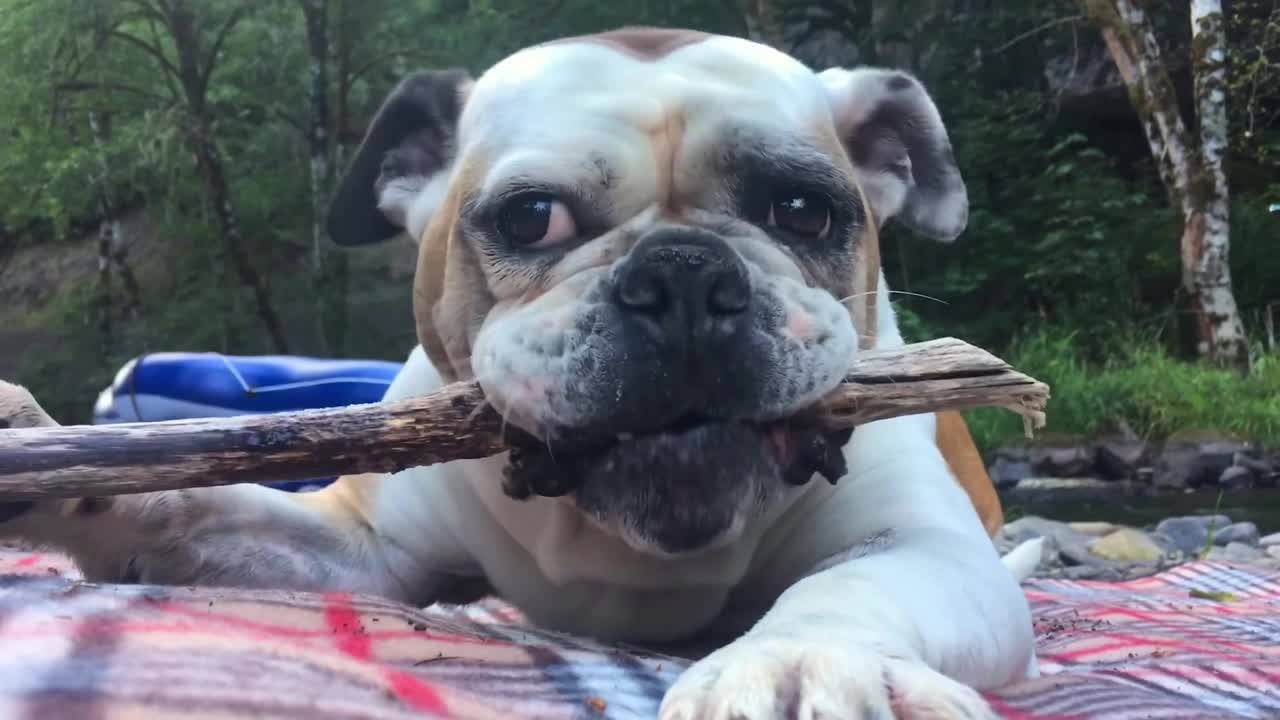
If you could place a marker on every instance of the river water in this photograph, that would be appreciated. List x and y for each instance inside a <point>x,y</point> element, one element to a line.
<point>1142,508</point>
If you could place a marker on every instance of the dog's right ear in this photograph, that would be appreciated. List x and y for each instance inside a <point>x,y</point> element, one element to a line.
<point>400,170</point>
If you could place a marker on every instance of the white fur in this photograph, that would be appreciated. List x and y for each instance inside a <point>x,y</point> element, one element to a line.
<point>524,358</point>
<point>1023,560</point>
<point>936,610</point>
<point>853,95</point>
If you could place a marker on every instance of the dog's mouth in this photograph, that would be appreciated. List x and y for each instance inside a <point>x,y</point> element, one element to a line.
<point>688,448</point>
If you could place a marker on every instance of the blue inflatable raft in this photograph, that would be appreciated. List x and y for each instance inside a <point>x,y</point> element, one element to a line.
<point>178,386</point>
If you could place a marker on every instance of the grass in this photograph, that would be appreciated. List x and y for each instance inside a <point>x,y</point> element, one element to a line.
<point>1156,393</point>
<point>1208,540</point>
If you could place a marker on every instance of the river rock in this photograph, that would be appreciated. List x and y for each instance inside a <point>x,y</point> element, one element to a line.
<point>1237,553</point>
<point>1196,459</point>
<point>1092,572</point>
<point>1237,477</point>
<point>1032,526</point>
<point>1119,458</point>
<point>1062,457</point>
<point>1064,546</point>
<point>1096,529</point>
<point>1241,532</point>
<point>1127,545</point>
<point>1188,533</point>
<point>1011,466</point>
<point>1065,485</point>
<point>1253,460</point>
<point>1265,471</point>
<point>1272,540</point>
<point>1167,543</point>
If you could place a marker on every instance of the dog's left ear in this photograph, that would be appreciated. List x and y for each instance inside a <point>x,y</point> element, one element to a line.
<point>408,146</point>
<point>899,148</point>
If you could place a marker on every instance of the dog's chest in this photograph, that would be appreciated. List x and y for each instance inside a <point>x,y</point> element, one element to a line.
<point>613,613</point>
<point>564,575</point>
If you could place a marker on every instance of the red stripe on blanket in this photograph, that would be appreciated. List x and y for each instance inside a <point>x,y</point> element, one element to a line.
<point>179,607</point>
<point>415,692</point>
<point>344,623</point>
<point>1009,712</point>
<point>1120,641</point>
<point>1166,618</point>
<point>351,638</point>
<point>27,561</point>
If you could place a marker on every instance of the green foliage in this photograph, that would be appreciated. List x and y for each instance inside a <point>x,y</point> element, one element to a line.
<point>1070,245</point>
<point>1141,383</point>
<point>1062,232</point>
<point>1253,30</point>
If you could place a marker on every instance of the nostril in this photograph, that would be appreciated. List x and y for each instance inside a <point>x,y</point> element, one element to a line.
<point>729,294</point>
<point>641,290</point>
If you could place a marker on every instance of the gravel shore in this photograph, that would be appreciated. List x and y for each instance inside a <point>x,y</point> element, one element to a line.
<point>1106,551</point>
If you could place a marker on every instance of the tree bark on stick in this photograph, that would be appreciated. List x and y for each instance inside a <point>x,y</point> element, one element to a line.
<point>453,423</point>
<point>1190,169</point>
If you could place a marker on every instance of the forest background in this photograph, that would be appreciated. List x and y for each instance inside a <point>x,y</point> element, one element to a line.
<point>165,164</point>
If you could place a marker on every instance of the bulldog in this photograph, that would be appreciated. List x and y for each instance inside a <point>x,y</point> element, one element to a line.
<point>665,241</point>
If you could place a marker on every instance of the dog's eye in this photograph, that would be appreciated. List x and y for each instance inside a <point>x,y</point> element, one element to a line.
<point>535,219</point>
<point>804,213</point>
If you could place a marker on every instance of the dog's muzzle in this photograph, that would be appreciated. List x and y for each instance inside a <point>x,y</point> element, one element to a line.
<point>685,296</point>
<point>685,451</point>
<point>687,288</point>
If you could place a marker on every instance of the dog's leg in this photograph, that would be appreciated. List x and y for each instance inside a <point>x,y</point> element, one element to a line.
<point>910,619</point>
<point>236,535</point>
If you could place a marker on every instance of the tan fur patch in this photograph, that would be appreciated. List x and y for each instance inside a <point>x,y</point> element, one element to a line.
<point>18,409</point>
<point>645,43</point>
<point>85,507</point>
<point>443,271</point>
<point>350,496</point>
<point>866,278</point>
<point>665,141</point>
<point>958,449</point>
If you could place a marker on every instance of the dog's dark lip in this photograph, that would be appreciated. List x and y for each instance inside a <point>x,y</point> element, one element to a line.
<point>799,451</point>
<point>691,421</point>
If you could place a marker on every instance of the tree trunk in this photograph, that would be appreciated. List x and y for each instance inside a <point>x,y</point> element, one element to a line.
<point>338,277</point>
<point>104,297</point>
<point>1206,252</point>
<point>315,14</point>
<point>120,259</point>
<point>1191,171</point>
<point>111,247</point>
<point>764,22</point>
<point>109,236</point>
<point>342,69</point>
<point>209,166</point>
<point>901,30</point>
<point>194,79</point>
<point>328,270</point>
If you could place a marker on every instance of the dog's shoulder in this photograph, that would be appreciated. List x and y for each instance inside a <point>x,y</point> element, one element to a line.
<point>899,478</point>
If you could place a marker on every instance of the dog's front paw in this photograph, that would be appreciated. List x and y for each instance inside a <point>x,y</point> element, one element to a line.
<point>768,677</point>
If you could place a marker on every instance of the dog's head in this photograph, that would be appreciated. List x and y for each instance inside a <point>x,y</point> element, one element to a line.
<point>657,235</point>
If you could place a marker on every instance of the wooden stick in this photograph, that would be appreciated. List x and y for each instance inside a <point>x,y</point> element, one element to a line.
<point>453,423</point>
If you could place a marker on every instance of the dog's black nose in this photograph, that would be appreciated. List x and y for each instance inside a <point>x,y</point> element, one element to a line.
<point>685,283</point>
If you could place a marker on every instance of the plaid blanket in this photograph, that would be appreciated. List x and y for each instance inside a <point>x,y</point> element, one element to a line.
<point>1153,648</point>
